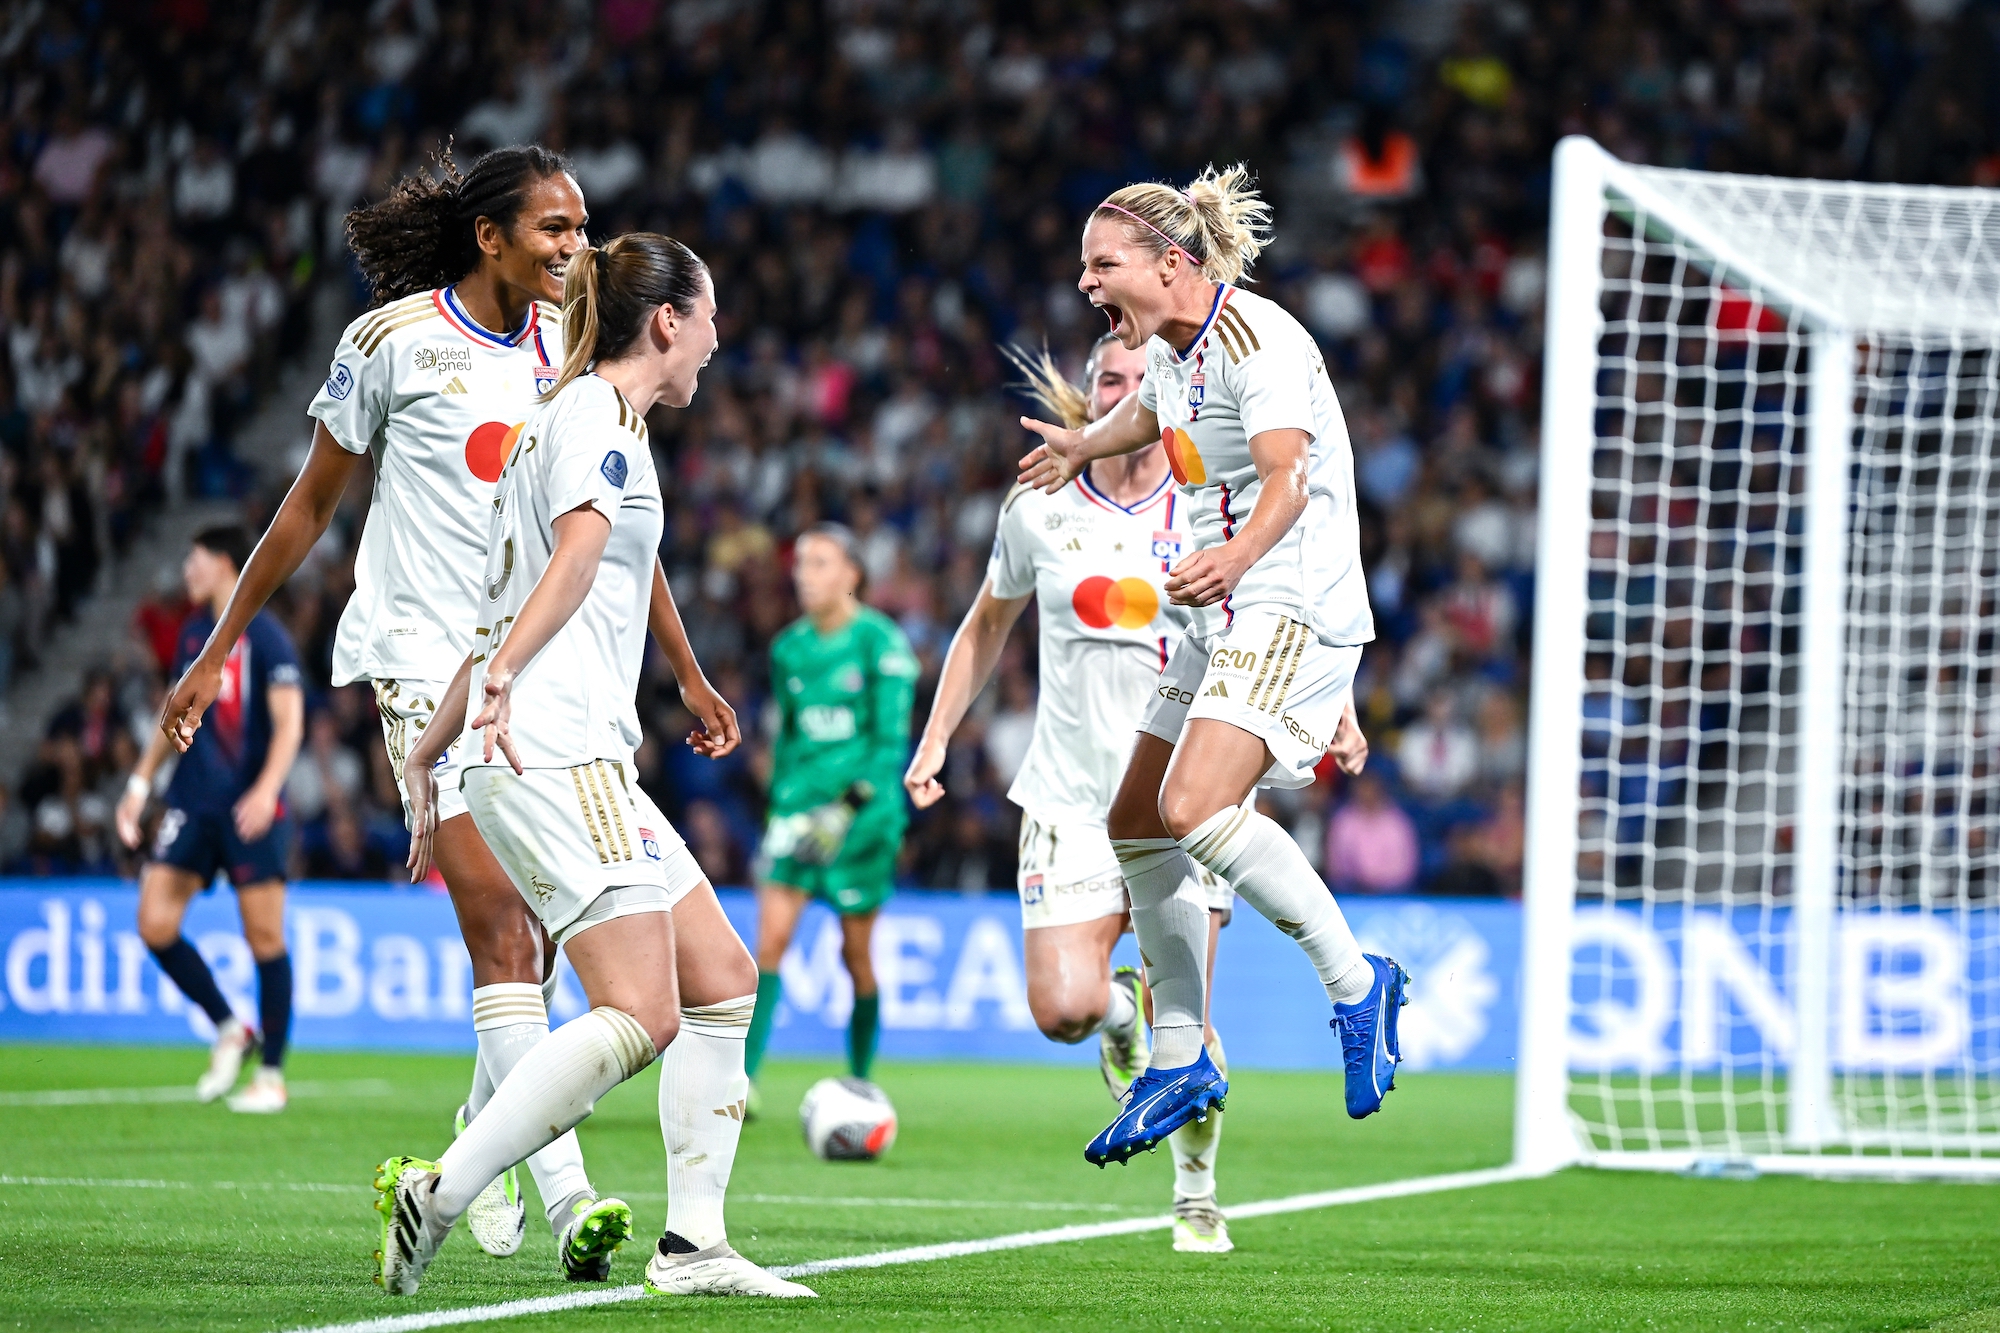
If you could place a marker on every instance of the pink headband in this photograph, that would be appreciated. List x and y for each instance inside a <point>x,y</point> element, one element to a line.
<point>1171,242</point>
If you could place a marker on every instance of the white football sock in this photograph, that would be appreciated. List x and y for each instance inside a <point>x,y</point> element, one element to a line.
<point>555,1085</point>
<point>1196,1142</point>
<point>1170,917</point>
<point>1260,860</point>
<point>702,1092</point>
<point>509,1019</point>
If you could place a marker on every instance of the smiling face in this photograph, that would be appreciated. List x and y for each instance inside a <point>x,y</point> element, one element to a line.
<point>1127,281</point>
<point>694,341</point>
<point>1115,370</point>
<point>531,255</point>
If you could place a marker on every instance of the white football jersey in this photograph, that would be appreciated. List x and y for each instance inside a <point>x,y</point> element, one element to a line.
<point>576,700</point>
<point>437,401</point>
<point>1097,570</point>
<point>1254,368</point>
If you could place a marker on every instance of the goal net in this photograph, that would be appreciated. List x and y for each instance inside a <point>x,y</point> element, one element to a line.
<point>1763,903</point>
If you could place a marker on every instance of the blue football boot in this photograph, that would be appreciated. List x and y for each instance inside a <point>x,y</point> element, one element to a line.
<point>1159,1102</point>
<point>1368,1036</point>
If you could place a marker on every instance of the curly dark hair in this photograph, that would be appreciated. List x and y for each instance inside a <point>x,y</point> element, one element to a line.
<point>420,235</point>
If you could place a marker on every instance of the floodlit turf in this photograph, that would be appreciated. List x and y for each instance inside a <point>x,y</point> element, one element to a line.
<point>988,1150</point>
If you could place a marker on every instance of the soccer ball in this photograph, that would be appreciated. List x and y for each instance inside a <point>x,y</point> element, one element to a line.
<point>847,1120</point>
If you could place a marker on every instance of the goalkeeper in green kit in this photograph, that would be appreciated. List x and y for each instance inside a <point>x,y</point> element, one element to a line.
<point>843,680</point>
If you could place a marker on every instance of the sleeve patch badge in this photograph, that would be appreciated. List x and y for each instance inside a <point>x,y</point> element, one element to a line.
<point>341,382</point>
<point>614,469</point>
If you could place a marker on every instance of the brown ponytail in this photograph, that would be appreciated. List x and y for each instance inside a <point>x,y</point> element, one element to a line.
<point>610,293</point>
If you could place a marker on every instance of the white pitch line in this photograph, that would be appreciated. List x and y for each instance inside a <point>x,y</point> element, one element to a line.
<point>844,1201</point>
<point>101,1183</point>
<point>916,1254</point>
<point>184,1092</point>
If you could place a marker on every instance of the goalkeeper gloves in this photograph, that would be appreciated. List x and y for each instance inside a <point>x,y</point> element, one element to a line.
<point>814,837</point>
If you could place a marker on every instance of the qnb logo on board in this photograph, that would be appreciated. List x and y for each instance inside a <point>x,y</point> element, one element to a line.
<point>1103,602</point>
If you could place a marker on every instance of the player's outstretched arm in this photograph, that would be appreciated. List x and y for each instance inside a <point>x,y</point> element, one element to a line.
<point>1209,575</point>
<point>581,536</point>
<point>420,768</point>
<point>720,733</point>
<point>968,664</point>
<point>1064,453</point>
<point>300,522</point>
<point>257,809</point>
<point>132,805</point>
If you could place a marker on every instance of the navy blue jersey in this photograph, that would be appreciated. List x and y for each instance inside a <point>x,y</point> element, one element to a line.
<point>235,735</point>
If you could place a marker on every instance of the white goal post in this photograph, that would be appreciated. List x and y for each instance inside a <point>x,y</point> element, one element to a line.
<point>1762,912</point>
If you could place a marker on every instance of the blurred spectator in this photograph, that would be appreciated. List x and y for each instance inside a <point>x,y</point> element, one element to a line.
<point>882,194</point>
<point>1371,845</point>
<point>1439,755</point>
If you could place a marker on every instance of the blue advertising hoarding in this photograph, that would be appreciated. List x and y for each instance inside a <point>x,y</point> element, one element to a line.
<point>380,968</point>
<point>1663,988</point>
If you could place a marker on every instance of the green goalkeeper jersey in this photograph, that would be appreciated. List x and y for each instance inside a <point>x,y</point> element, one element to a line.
<point>844,703</point>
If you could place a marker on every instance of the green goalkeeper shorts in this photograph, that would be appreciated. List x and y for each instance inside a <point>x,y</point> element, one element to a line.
<point>859,879</point>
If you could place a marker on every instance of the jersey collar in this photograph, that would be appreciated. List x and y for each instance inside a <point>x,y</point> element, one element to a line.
<point>454,314</point>
<point>1083,480</point>
<point>1222,292</point>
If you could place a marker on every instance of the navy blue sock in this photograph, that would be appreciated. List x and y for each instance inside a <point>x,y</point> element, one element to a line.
<point>274,1006</point>
<point>189,970</point>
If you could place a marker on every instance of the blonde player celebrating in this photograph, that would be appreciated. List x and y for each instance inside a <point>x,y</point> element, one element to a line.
<point>433,386</point>
<point>1237,394</point>
<point>567,589</point>
<point>1095,555</point>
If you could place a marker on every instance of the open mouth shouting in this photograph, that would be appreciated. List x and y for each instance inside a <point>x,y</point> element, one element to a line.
<point>1112,313</point>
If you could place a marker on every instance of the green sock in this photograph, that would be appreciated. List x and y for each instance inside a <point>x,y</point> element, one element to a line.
<point>770,989</point>
<point>862,1028</point>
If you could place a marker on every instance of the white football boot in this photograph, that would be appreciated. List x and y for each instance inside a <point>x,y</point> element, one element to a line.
<point>264,1096</point>
<point>498,1219</point>
<point>715,1271</point>
<point>1199,1227</point>
<point>412,1234</point>
<point>234,1041</point>
<point>1123,1052</point>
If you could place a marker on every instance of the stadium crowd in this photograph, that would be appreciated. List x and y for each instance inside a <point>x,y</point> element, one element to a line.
<point>884,192</point>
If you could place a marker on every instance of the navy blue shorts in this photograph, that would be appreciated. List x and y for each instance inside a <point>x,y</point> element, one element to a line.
<point>205,844</point>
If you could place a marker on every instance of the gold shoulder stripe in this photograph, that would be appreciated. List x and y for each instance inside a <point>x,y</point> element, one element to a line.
<point>1019,489</point>
<point>1222,336</point>
<point>1242,327</point>
<point>405,321</point>
<point>621,407</point>
<point>389,312</point>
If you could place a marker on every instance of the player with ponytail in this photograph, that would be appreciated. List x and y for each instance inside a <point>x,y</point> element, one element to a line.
<point>1096,556</point>
<point>1236,393</point>
<point>467,271</point>
<point>551,682</point>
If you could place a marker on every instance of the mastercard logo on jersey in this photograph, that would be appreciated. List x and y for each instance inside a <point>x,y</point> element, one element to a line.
<point>1183,457</point>
<point>1127,603</point>
<point>486,449</point>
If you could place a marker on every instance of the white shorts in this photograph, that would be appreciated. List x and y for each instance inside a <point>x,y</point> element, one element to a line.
<point>567,835</point>
<point>1267,674</point>
<point>1069,874</point>
<point>406,707</point>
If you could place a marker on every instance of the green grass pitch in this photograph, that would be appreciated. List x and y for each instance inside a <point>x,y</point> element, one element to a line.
<point>986,1150</point>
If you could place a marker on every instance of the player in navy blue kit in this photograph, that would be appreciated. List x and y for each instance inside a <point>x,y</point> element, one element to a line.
<point>225,814</point>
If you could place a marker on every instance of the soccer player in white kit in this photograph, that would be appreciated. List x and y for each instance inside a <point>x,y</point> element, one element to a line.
<point>1237,394</point>
<point>1095,556</point>
<point>566,592</point>
<point>432,386</point>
